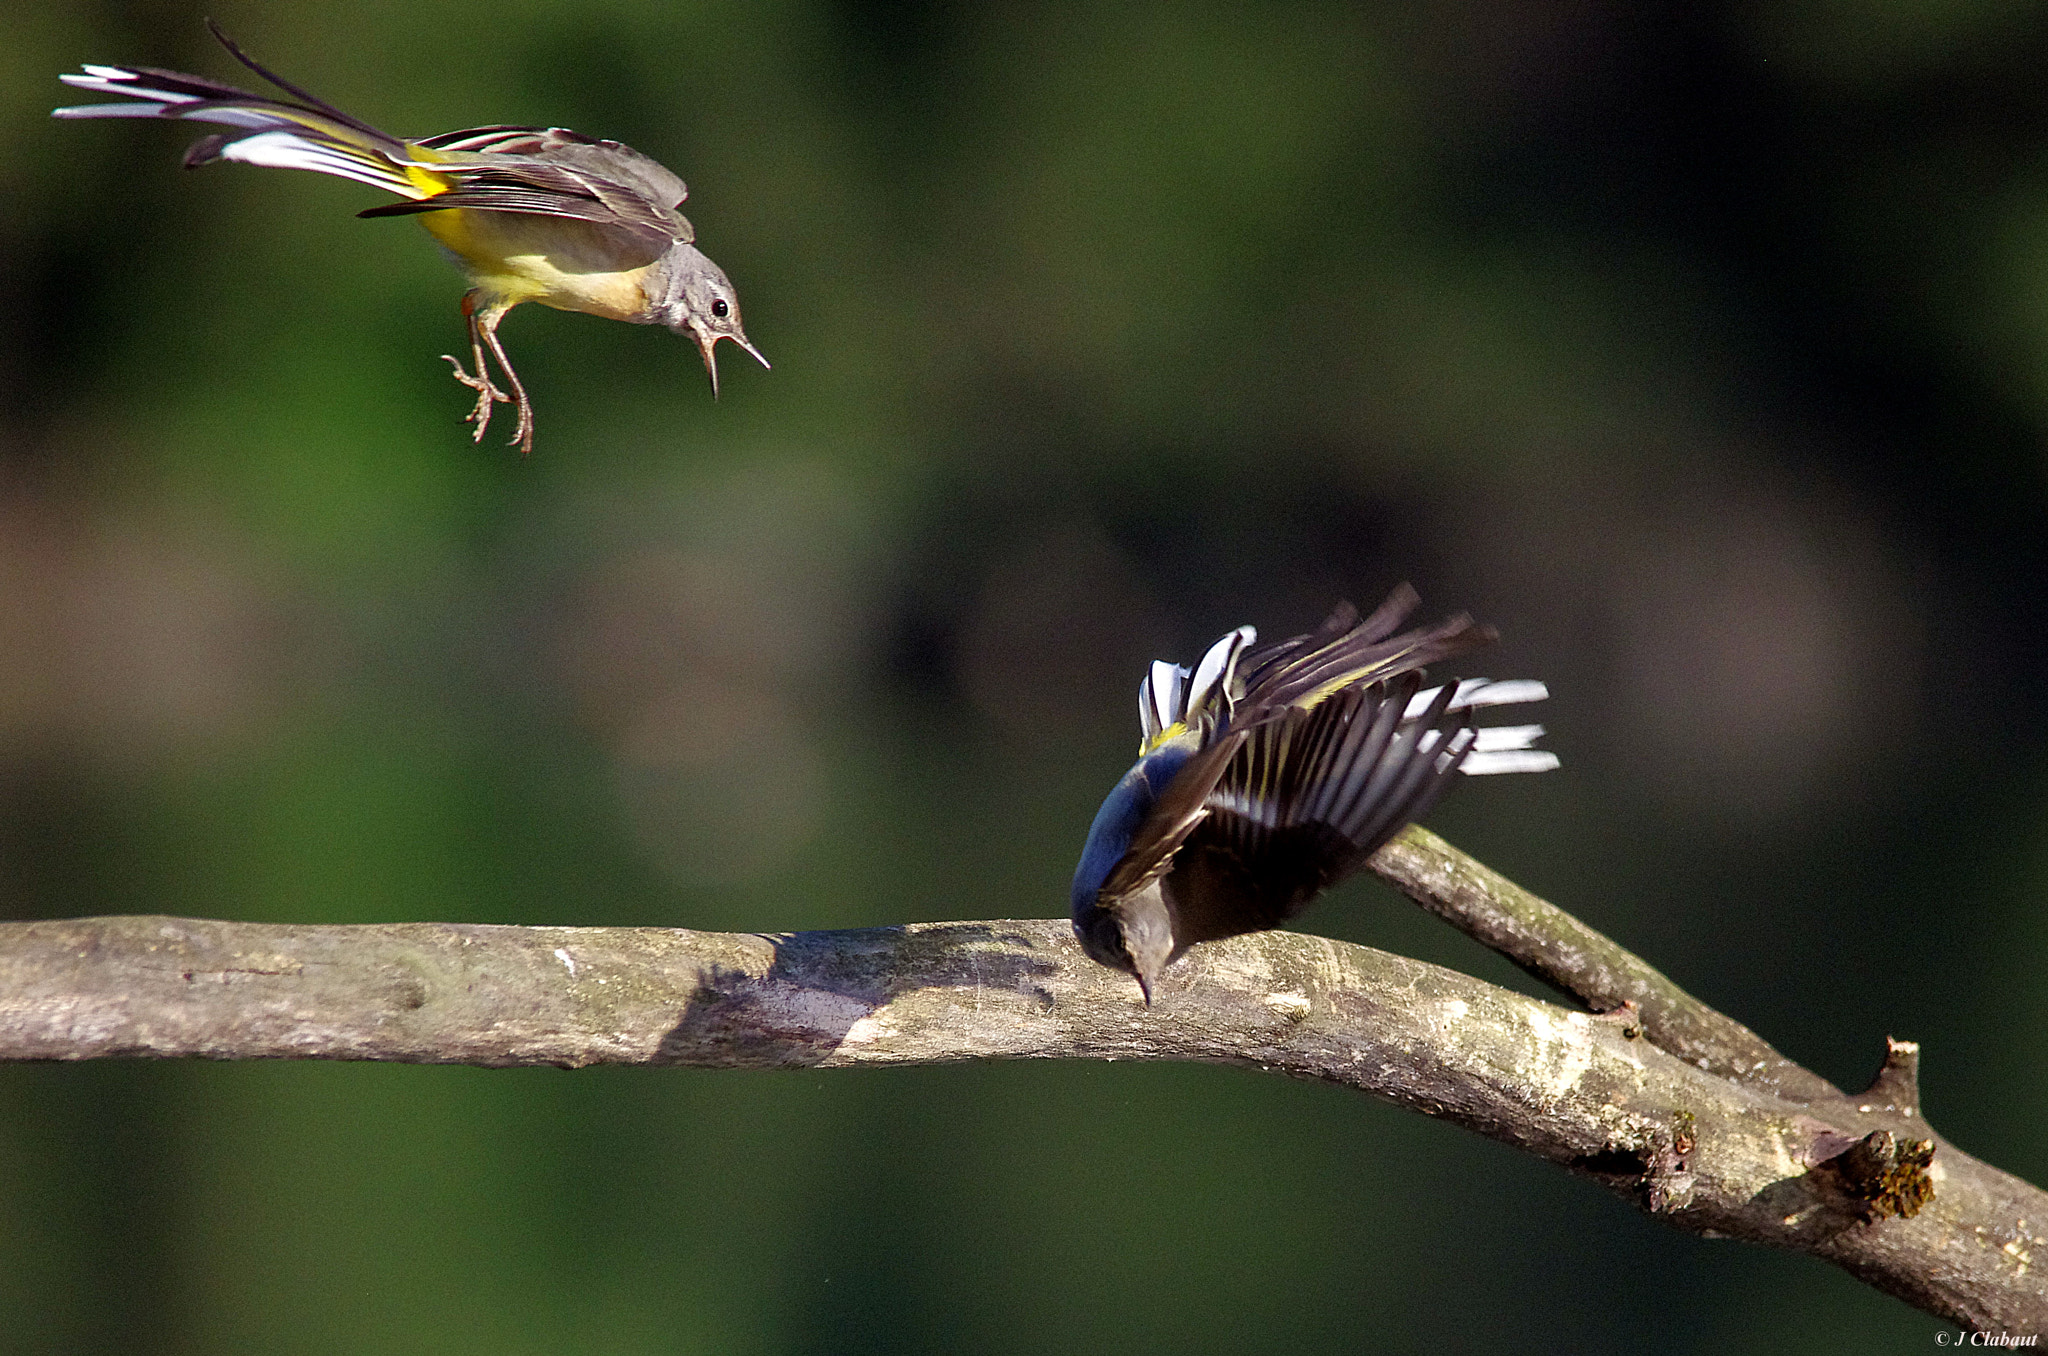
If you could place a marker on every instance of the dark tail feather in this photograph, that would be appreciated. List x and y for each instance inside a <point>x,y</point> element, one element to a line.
<point>312,101</point>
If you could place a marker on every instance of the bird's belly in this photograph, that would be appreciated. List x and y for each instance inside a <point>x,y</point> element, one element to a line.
<point>561,262</point>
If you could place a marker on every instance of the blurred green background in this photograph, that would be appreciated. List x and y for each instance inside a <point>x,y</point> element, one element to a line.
<point>1704,349</point>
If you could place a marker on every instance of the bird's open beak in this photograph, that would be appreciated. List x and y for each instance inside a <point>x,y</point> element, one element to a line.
<point>707,344</point>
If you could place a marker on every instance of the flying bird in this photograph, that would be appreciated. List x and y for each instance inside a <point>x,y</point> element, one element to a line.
<point>529,213</point>
<point>1269,773</point>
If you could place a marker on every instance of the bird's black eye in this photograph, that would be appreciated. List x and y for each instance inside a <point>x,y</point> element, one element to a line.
<point>720,309</point>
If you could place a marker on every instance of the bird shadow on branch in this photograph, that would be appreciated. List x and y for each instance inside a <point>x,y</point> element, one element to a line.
<point>818,989</point>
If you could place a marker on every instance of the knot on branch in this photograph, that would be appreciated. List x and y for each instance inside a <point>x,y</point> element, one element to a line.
<point>1649,1165</point>
<point>1897,1085</point>
<point>1881,1175</point>
<point>1627,1019</point>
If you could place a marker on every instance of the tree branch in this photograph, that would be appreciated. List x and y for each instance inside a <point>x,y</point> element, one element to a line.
<point>1772,1154</point>
<point>1591,967</point>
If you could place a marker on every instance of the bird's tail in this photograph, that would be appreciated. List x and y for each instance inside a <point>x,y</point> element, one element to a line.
<point>1495,748</point>
<point>308,135</point>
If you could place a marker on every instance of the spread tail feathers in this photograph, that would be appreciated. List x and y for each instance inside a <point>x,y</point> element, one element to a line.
<point>310,135</point>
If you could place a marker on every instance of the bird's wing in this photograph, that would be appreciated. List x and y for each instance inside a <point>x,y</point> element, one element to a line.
<point>558,145</point>
<point>551,171</point>
<point>1307,799</point>
<point>1180,807</point>
<point>537,188</point>
<point>1283,684</point>
<point>1344,651</point>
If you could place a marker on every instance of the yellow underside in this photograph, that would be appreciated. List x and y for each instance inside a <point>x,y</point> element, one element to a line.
<point>515,257</point>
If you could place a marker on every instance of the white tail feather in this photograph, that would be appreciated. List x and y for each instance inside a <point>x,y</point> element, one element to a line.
<point>1498,738</point>
<point>285,137</point>
<point>142,110</point>
<point>1509,692</point>
<point>289,150</point>
<point>1477,692</point>
<point>1216,668</point>
<point>1168,685</point>
<point>1508,760</point>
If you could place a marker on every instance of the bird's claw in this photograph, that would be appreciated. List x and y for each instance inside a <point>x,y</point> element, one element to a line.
<point>487,395</point>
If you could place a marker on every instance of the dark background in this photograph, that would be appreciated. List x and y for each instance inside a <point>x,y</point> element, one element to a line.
<point>1703,349</point>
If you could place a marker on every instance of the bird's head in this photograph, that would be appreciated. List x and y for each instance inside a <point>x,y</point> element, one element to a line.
<point>1134,935</point>
<point>1132,932</point>
<point>702,305</point>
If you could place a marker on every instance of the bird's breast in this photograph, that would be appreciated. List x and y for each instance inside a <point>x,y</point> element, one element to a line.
<point>561,262</point>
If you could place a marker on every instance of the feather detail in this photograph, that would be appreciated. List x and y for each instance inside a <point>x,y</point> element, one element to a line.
<point>1210,693</point>
<point>311,136</point>
<point>1519,760</point>
<point>537,171</point>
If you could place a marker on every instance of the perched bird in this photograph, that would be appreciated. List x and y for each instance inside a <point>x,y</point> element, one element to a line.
<point>1271,773</point>
<point>529,213</point>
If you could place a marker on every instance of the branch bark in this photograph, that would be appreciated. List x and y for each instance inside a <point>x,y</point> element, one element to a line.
<point>1572,958</point>
<point>1675,1107</point>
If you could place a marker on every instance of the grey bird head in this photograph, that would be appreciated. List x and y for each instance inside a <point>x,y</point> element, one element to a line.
<point>1134,935</point>
<point>701,304</point>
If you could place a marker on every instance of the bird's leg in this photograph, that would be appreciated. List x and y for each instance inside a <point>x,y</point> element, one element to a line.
<point>486,393</point>
<point>522,434</point>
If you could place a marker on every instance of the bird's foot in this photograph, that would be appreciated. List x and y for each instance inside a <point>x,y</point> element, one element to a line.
<point>487,395</point>
<point>523,433</point>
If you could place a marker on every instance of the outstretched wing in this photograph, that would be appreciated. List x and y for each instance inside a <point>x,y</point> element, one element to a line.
<point>1283,683</point>
<point>1344,651</point>
<point>1307,799</point>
